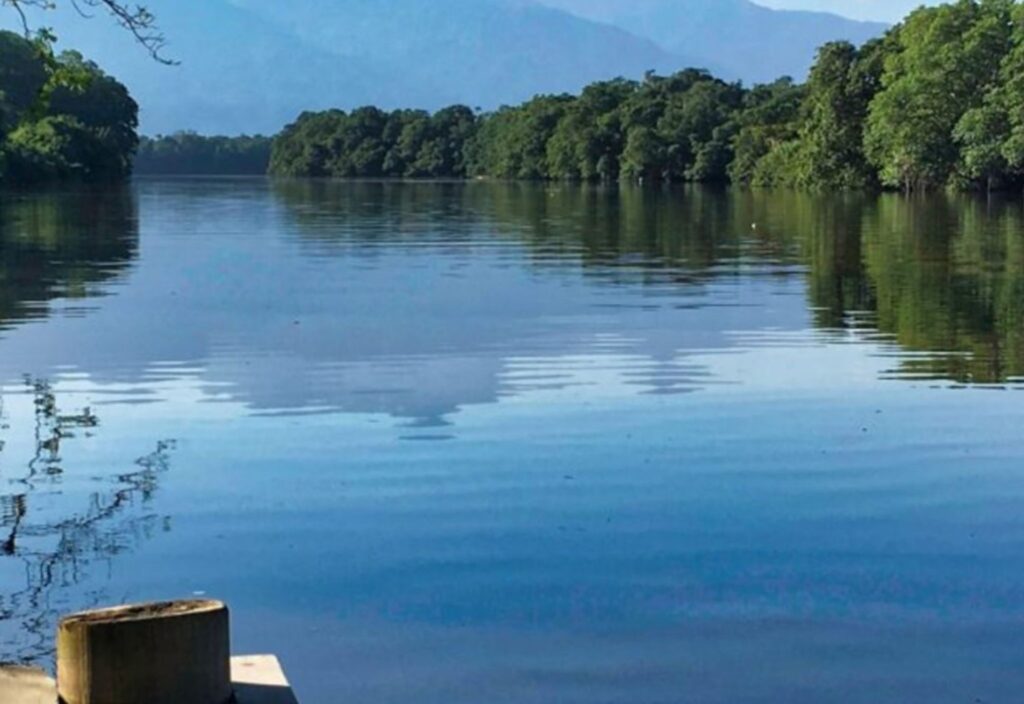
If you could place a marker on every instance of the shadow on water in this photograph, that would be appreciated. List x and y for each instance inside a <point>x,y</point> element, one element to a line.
<point>940,278</point>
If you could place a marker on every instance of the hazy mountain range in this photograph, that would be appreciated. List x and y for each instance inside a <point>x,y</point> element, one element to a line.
<point>253,65</point>
<point>882,10</point>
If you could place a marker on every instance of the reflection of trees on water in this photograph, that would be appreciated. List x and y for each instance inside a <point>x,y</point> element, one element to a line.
<point>62,244</point>
<point>941,276</point>
<point>53,547</point>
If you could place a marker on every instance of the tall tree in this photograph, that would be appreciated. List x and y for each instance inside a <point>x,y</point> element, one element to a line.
<point>643,158</point>
<point>945,59</point>
<point>61,129</point>
<point>767,121</point>
<point>588,140</point>
<point>842,84</point>
<point>991,135</point>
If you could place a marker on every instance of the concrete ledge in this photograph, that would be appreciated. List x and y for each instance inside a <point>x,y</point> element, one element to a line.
<point>257,679</point>
<point>23,685</point>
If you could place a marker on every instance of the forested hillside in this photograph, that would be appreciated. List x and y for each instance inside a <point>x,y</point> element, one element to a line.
<point>734,39</point>
<point>938,101</point>
<point>250,66</point>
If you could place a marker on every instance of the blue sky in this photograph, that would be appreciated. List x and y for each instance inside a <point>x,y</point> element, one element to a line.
<point>885,10</point>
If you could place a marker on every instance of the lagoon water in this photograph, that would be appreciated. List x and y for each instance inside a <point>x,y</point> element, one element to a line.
<point>521,443</point>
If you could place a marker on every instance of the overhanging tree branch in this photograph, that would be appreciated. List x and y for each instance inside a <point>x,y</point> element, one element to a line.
<point>137,19</point>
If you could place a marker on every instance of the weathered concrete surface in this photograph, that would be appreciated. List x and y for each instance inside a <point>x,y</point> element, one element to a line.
<point>169,652</point>
<point>22,685</point>
<point>257,679</point>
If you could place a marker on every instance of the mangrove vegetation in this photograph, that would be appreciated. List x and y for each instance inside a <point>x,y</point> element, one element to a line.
<point>188,153</point>
<point>938,101</point>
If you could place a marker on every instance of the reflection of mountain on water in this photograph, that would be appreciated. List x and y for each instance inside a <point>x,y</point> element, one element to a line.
<point>287,315</point>
<point>533,288</point>
<point>415,300</point>
<point>62,245</point>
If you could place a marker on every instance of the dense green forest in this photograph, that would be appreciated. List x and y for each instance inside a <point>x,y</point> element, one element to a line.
<point>61,117</point>
<point>190,153</point>
<point>938,101</point>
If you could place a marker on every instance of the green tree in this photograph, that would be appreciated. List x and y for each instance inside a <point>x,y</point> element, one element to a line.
<point>938,100</point>
<point>588,140</point>
<point>840,88</point>
<point>691,127</point>
<point>513,142</point>
<point>643,159</point>
<point>302,148</point>
<point>61,117</point>
<point>1012,98</point>
<point>982,133</point>
<point>944,60</point>
<point>767,120</point>
<point>190,153</point>
<point>452,128</point>
<point>105,109</point>
<point>22,77</point>
<point>405,133</point>
<point>991,135</point>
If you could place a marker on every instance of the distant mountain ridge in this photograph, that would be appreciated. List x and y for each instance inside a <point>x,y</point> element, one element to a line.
<point>253,65</point>
<point>738,39</point>
<point>487,52</point>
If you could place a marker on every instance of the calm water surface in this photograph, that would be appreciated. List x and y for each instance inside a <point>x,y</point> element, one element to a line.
<point>507,443</point>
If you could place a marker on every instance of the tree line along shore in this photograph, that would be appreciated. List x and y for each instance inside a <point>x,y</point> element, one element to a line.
<point>936,102</point>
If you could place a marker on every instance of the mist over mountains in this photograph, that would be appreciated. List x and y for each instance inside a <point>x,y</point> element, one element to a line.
<point>254,65</point>
<point>736,39</point>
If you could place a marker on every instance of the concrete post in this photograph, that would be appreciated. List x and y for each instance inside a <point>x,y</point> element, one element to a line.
<point>165,653</point>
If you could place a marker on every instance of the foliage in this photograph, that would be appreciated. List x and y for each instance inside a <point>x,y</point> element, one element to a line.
<point>767,121</point>
<point>831,138</point>
<point>513,143</point>
<point>587,142</point>
<point>187,153</point>
<point>61,116</point>
<point>938,101</point>
<point>664,128</point>
<point>371,143</point>
<point>942,62</point>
